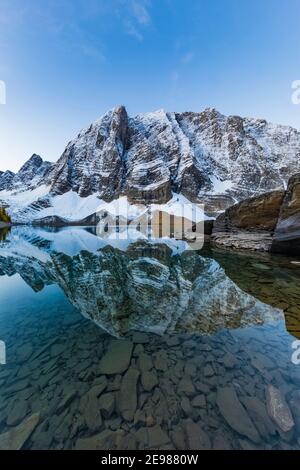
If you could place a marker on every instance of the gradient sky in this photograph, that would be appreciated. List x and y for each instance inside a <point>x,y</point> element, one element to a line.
<point>66,62</point>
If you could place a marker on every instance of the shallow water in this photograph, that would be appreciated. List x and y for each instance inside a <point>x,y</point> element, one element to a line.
<point>112,344</point>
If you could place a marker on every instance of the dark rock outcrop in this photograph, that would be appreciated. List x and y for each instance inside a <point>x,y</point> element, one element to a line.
<point>287,233</point>
<point>249,224</point>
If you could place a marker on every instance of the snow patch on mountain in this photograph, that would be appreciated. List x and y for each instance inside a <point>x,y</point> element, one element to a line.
<point>219,186</point>
<point>24,198</point>
<point>151,158</point>
<point>72,207</point>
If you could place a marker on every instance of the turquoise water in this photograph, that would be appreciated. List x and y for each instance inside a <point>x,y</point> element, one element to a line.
<point>138,345</point>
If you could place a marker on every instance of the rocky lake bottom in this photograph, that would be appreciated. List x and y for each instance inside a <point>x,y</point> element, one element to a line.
<point>143,347</point>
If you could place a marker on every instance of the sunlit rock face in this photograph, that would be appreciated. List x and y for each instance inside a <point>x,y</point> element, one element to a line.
<point>144,287</point>
<point>287,233</point>
<point>202,155</point>
<point>207,157</point>
<point>249,224</point>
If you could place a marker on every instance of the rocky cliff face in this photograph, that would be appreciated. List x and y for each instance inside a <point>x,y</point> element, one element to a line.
<point>287,233</point>
<point>249,224</point>
<point>94,161</point>
<point>254,214</point>
<point>270,222</point>
<point>205,156</point>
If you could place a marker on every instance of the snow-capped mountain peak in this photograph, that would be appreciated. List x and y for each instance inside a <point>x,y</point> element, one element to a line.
<point>207,157</point>
<point>30,175</point>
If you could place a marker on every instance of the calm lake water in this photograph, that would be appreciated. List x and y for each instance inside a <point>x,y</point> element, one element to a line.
<point>127,344</point>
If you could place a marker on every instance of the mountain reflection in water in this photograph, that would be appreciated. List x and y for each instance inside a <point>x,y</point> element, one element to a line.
<point>145,287</point>
<point>133,344</point>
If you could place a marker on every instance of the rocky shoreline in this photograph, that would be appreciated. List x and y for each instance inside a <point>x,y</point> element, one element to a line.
<point>269,222</point>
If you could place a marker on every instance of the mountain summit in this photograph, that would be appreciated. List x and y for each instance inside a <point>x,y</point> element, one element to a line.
<point>207,157</point>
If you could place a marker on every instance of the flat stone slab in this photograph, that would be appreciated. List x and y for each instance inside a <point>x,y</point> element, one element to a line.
<point>145,362</point>
<point>197,439</point>
<point>235,414</point>
<point>107,404</point>
<point>149,381</point>
<point>157,437</point>
<point>140,338</point>
<point>128,394</point>
<point>117,358</point>
<point>15,438</point>
<point>278,409</point>
<point>258,413</point>
<point>106,440</point>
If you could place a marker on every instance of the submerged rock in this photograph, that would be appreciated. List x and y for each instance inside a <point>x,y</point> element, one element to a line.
<point>66,401</point>
<point>144,362</point>
<point>17,412</point>
<point>278,409</point>
<point>197,439</point>
<point>106,440</point>
<point>258,413</point>
<point>140,338</point>
<point>235,414</point>
<point>127,401</point>
<point>15,438</point>
<point>107,404</point>
<point>152,437</point>
<point>294,404</point>
<point>149,380</point>
<point>221,443</point>
<point>117,358</point>
<point>199,401</point>
<point>186,386</point>
<point>157,437</point>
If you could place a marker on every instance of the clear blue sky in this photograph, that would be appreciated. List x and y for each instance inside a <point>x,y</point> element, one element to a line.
<point>65,62</point>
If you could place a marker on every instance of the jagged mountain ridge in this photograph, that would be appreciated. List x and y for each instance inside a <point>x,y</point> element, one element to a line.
<point>205,156</point>
<point>30,175</point>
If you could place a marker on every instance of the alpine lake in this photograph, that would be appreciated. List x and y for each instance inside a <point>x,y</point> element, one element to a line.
<point>137,344</point>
